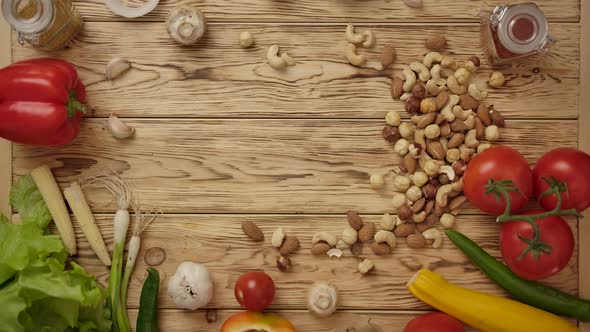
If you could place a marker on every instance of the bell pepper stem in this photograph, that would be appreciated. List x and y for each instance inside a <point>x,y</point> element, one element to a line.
<point>74,106</point>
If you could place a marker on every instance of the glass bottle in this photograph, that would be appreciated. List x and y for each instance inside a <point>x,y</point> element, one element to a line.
<point>47,24</point>
<point>512,32</point>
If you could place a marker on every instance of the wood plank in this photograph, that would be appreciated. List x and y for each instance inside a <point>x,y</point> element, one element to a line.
<point>584,145</point>
<point>250,166</point>
<point>174,320</point>
<point>334,11</point>
<point>218,242</point>
<point>220,79</point>
<point>5,146</point>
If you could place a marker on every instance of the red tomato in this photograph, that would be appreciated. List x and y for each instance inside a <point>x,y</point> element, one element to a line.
<point>554,232</point>
<point>255,290</point>
<point>570,166</point>
<point>498,163</point>
<point>434,322</point>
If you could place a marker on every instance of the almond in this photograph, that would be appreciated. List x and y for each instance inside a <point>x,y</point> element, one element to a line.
<point>320,248</point>
<point>416,241</point>
<point>397,88</point>
<point>367,232</point>
<point>430,222</point>
<point>404,229</point>
<point>436,43</point>
<point>428,206</point>
<point>410,164</point>
<point>419,205</point>
<point>252,230</point>
<point>456,140</point>
<point>456,202</point>
<point>458,126</point>
<point>497,118</point>
<point>483,113</point>
<point>439,119</point>
<point>290,245</point>
<point>354,220</point>
<point>426,120</point>
<point>441,99</point>
<point>436,150</point>
<point>480,131</point>
<point>404,212</point>
<point>381,248</point>
<point>356,249</point>
<point>388,56</point>
<point>468,103</point>
<point>445,129</point>
<point>439,210</point>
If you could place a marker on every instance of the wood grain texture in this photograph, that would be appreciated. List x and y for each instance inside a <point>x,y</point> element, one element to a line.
<point>173,320</point>
<point>250,166</point>
<point>5,146</point>
<point>584,145</point>
<point>218,79</point>
<point>332,10</point>
<point>218,242</point>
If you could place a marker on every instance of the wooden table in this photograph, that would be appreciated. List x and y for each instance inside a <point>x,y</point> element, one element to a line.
<point>222,138</point>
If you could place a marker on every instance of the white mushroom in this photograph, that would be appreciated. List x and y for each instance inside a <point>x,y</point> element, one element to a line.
<point>191,286</point>
<point>322,299</point>
<point>186,25</point>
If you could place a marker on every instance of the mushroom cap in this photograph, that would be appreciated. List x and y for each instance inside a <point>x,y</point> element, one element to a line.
<point>322,299</point>
<point>186,25</point>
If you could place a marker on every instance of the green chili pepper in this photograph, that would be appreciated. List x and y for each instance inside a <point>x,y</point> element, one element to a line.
<point>147,319</point>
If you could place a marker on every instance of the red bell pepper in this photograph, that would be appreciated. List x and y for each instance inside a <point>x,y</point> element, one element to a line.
<point>257,321</point>
<point>41,102</point>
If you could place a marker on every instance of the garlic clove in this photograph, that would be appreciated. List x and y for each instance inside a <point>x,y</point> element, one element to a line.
<point>118,128</point>
<point>116,67</point>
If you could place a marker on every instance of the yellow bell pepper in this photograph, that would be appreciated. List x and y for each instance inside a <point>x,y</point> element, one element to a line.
<point>485,312</point>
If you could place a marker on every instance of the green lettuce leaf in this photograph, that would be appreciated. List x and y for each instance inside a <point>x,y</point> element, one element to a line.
<point>27,200</point>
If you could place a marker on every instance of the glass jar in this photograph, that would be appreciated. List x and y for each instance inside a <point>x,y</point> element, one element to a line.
<point>512,32</point>
<point>47,24</point>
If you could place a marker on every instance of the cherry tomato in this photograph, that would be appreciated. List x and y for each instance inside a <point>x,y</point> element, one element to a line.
<point>570,166</point>
<point>255,290</point>
<point>434,322</point>
<point>498,163</point>
<point>554,232</point>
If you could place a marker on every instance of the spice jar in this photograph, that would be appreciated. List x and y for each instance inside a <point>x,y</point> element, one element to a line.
<point>511,32</point>
<point>47,24</point>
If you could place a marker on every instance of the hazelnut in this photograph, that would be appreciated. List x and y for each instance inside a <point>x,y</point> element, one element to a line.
<point>398,200</point>
<point>432,131</point>
<point>459,167</point>
<point>406,130</point>
<point>428,105</point>
<point>431,167</point>
<point>436,43</point>
<point>415,150</point>
<point>496,79</point>
<point>414,193</point>
<point>419,91</point>
<point>492,133</point>
<point>453,155</point>
<point>447,220</point>
<point>404,212</point>
<point>429,190</point>
<point>419,179</point>
<point>393,118</point>
<point>390,134</point>
<point>475,61</point>
<point>413,105</point>
<point>401,183</point>
<point>377,181</point>
<point>283,263</point>
<point>443,179</point>
<point>401,147</point>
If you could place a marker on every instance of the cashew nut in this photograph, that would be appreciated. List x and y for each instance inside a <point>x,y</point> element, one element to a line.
<point>414,193</point>
<point>446,111</point>
<point>432,57</point>
<point>433,234</point>
<point>421,70</point>
<point>419,179</point>
<point>434,89</point>
<point>351,36</point>
<point>388,221</point>
<point>419,217</point>
<point>349,235</point>
<point>460,113</point>
<point>442,195</point>
<point>398,200</point>
<point>405,96</point>
<point>466,152</point>
<point>276,61</point>
<point>387,237</point>
<point>401,183</point>
<point>448,170</point>
<point>366,266</point>
<point>462,75</point>
<point>435,73</point>
<point>278,236</point>
<point>326,237</point>
<point>423,160</point>
<point>419,138</point>
<point>447,220</point>
<point>369,38</point>
<point>431,167</point>
<point>482,147</point>
<point>401,146</point>
<point>454,86</point>
<point>476,93</point>
<point>341,245</point>
<point>458,185</point>
<point>470,122</point>
<point>352,57</point>
<point>448,62</point>
<point>409,79</point>
<point>471,139</point>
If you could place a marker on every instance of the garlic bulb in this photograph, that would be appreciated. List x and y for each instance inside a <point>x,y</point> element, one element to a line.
<point>322,299</point>
<point>191,286</point>
<point>186,25</point>
<point>118,128</point>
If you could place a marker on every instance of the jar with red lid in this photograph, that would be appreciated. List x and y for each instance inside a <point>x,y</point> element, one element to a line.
<point>512,32</point>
